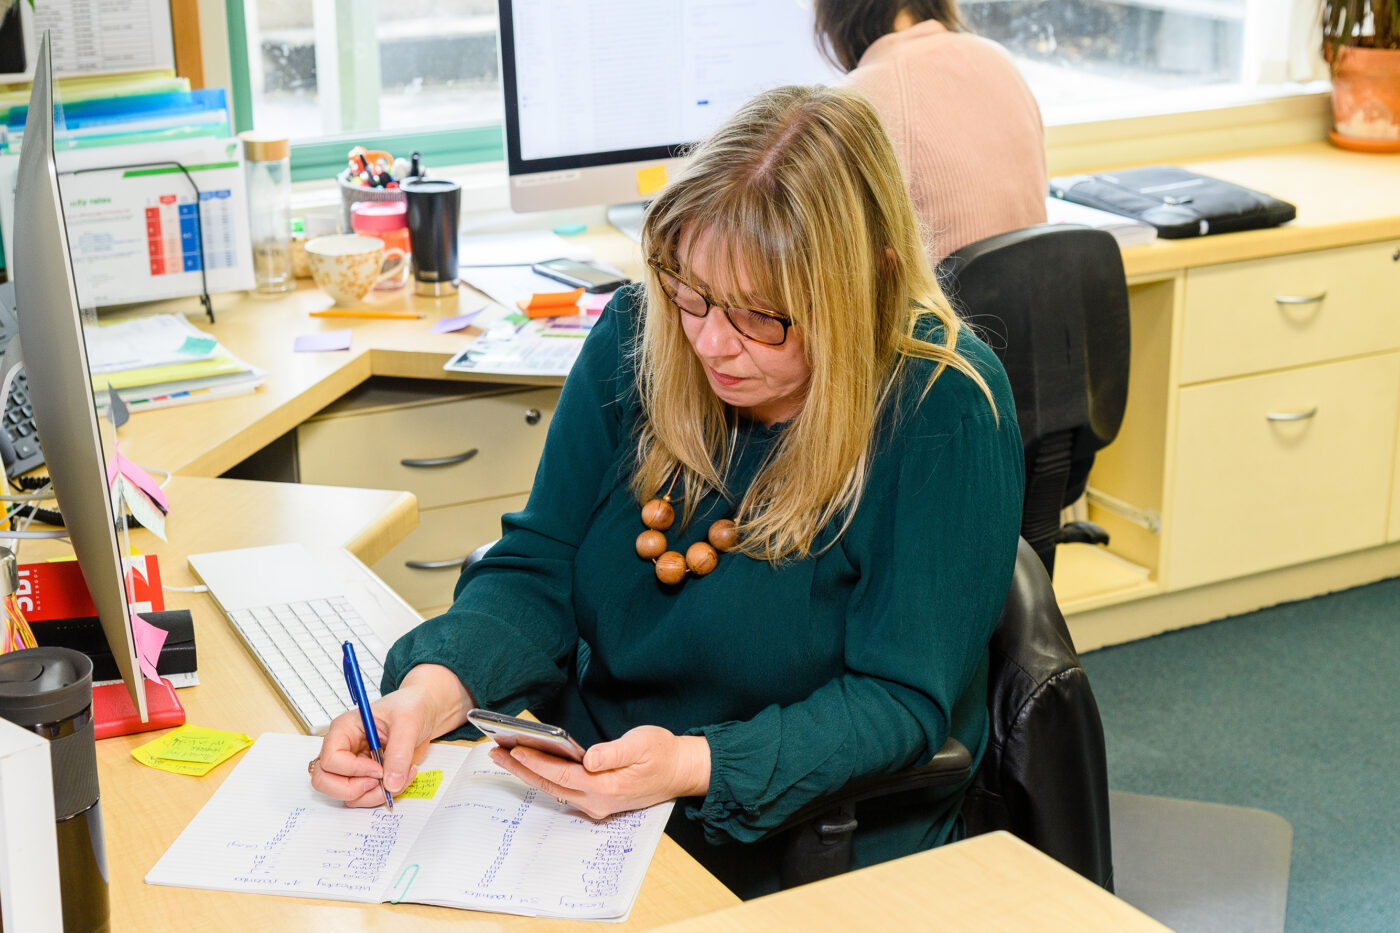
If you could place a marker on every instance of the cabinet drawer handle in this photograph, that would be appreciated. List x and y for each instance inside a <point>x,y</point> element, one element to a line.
<point>435,564</point>
<point>1300,299</point>
<point>532,416</point>
<point>1291,415</point>
<point>463,457</point>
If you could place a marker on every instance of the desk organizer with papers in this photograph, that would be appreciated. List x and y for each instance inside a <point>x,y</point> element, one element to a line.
<point>464,834</point>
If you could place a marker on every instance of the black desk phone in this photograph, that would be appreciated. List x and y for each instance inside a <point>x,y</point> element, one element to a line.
<point>19,438</point>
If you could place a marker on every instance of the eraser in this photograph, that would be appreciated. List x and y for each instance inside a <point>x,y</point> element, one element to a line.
<point>570,229</point>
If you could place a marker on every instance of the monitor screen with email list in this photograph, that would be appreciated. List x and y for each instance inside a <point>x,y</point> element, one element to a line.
<point>601,99</point>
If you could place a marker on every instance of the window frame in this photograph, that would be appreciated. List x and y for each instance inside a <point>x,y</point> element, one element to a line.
<point>326,157</point>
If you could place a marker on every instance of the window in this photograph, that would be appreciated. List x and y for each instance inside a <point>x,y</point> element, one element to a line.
<point>1092,58</point>
<point>424,74</point>
<point>335,73</point>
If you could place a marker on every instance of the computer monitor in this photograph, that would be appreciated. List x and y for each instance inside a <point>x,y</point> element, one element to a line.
<point>60,387</point>
<point>597,92</point>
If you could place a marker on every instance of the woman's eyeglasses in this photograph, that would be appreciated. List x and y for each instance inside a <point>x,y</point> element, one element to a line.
<point>766,327</point>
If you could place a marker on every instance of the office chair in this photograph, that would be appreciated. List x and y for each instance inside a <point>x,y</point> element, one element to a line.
<point>1043,776</point>
<point>1052,302</point>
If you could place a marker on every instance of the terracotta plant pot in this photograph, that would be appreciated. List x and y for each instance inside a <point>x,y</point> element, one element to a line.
<point>1366,99</point>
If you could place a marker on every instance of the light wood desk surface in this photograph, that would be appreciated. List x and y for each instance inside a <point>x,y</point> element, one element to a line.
<point>981,885</point>
<point>144,810</point>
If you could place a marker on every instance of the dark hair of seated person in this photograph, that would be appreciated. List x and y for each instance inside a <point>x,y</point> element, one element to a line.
<point>846,28</point>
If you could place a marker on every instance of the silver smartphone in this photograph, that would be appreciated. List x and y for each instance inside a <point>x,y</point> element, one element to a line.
<point>510,731</point>
<point>580,275</point>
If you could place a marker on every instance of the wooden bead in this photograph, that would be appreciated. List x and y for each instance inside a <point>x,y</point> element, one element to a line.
<point>658,514</point>
<point>724,535</point>
<point>651,544</point>
<point>701,558</point>
<point>670,567</point>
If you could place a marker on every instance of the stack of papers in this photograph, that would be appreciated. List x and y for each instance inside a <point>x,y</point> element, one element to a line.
<point>164,360</point>
<point>1126,230</point>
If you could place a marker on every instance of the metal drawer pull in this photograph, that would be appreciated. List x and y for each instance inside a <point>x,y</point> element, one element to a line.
<point>435,564</point>
<point>1291,415</point>
<point>463,457</point>
<point>532,416</point>
<point>1300,299</point>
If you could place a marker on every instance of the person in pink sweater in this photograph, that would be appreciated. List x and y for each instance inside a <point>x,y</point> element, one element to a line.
<point>965,126</point>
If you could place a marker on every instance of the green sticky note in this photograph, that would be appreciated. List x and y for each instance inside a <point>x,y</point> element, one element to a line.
<point>424,786</point>
<point>516,318</point>
<point>198,346</point>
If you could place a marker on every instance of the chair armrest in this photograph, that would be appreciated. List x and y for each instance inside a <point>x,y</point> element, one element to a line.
<point>950,765</point>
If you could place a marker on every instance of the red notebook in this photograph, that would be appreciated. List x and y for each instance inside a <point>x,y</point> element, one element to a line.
<point>114,714</point>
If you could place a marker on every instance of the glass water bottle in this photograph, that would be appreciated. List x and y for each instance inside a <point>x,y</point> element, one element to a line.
<point>267,166</point>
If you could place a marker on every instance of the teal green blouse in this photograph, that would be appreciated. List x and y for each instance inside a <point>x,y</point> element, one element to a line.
<point>802,676</point>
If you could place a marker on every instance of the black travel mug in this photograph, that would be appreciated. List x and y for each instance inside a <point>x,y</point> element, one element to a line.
<point>434,206</point>
<point>49,691</point>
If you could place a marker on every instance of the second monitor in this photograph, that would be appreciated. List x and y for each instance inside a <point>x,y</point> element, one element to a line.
<point>601,99</point>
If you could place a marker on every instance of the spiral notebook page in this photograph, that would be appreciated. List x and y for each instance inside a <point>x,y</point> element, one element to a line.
<point>464,834</point>
<point>496,844</point>
<point>266,830</point>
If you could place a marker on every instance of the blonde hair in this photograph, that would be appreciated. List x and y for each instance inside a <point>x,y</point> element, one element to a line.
<point>800,189</point>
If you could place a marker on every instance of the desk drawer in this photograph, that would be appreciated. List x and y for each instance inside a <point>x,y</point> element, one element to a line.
<point>443,534</point>
<point>505,430</point>
<point>1279,469</point>
<point>1267,314</point>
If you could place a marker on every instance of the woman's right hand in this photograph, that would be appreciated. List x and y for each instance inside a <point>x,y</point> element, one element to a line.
<point>430,701</point>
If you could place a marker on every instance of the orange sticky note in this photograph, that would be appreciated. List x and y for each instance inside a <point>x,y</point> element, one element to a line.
<point>651,179</point>
<point>551,304</point>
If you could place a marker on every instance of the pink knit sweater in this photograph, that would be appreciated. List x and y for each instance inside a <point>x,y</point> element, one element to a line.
<point>965,127</point>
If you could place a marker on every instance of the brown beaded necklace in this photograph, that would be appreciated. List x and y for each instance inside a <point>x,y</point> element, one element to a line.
<point>700,558</point>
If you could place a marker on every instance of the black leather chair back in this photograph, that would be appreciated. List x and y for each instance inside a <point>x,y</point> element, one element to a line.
<point>1044,776</point>
<point>1052,302</point>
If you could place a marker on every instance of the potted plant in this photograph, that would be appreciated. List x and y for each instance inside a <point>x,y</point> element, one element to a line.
<point>1361,43</point>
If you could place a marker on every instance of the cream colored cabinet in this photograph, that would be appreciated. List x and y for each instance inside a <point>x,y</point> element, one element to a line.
<point>468,452</point>
<point>1287,391</point>
<point>1285,311</point>
<point>1283,468</point>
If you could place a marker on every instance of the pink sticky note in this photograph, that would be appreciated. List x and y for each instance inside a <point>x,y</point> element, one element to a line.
<point>449,324</point>
<point>319,343</point>
<point>140,478</point>
<point>594,304</point>
<point>149,641</point>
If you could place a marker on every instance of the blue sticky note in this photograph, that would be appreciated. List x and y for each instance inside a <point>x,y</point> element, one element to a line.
<point>198,346</point>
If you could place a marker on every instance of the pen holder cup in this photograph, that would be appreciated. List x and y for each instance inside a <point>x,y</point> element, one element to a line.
<point>351,192</point>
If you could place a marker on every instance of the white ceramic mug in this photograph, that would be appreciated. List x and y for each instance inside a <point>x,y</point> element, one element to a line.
<point>347,266</point>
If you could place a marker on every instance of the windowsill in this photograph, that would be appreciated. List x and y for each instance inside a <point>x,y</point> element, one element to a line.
<point>1214,121</point>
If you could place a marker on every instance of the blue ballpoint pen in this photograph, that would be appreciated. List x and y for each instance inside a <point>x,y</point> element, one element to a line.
<point>356,683</point>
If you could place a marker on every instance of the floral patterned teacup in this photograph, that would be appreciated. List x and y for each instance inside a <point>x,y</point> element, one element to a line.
<point>347,266</point>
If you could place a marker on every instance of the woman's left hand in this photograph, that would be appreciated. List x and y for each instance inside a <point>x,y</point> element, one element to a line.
<point>645,766</point>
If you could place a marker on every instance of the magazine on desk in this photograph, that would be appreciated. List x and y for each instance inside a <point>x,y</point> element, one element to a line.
<point>465,834</point>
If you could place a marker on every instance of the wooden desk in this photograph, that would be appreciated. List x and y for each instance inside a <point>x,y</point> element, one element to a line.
<point>144,810</point>
<point>981,885</point>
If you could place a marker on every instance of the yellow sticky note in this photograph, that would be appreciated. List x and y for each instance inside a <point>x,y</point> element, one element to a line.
<point>191,750</point>
<point>423,786</point>
<point>651,179</point>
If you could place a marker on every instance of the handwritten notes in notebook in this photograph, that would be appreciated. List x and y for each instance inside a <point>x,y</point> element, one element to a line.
<point>482,840</point>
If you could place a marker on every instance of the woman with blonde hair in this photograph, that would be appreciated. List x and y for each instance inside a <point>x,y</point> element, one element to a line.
<point>773,525</point>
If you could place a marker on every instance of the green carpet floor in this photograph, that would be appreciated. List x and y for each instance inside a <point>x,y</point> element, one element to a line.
<point>1291,709</point>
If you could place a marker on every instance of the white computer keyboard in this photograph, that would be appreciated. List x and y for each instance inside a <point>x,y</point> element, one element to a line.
<point>294,618</point>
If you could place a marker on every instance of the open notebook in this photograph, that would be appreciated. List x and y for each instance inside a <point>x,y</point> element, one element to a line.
<point>476,838</point>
